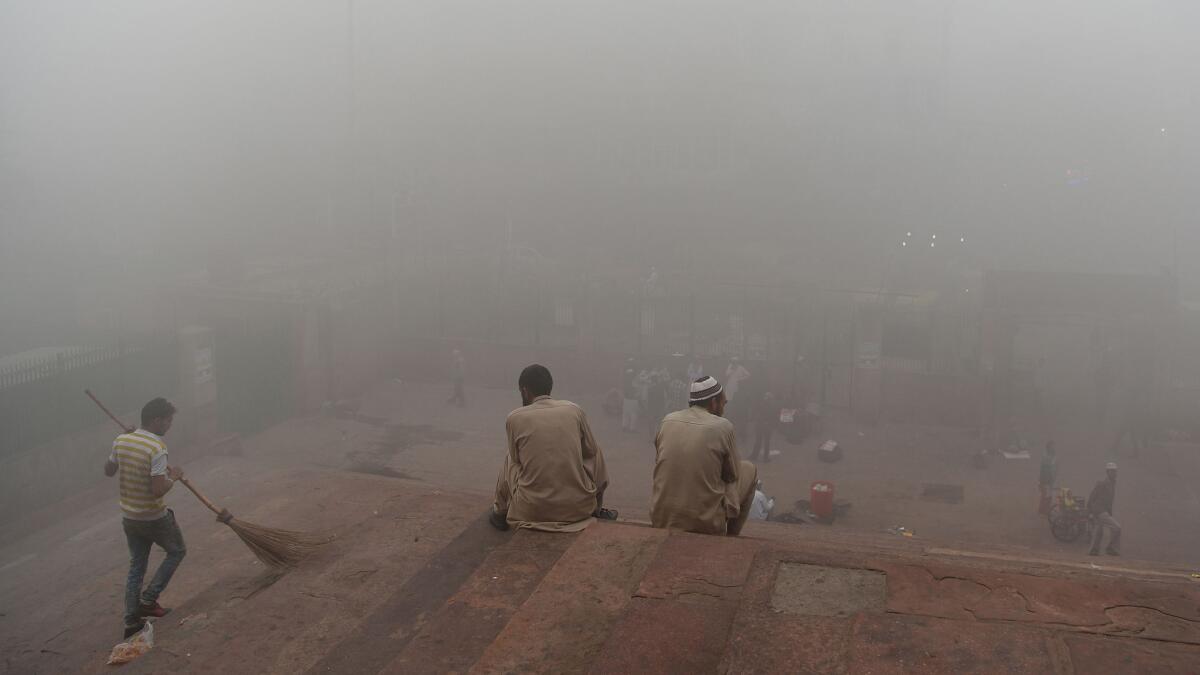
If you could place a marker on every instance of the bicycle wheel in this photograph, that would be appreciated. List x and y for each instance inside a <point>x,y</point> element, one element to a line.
<point>1065,529</point>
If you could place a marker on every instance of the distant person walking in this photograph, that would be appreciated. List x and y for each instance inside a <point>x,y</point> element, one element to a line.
<point>677,393</point>
<point>1047,477</point>
<point>140,457</point>
<point>656,397</point>
<point>735,375</point>
<point>458,375</point>
<point>695,370</point>
<point>1100,503</point>
<point>629,401</point>
<point>765,416</point>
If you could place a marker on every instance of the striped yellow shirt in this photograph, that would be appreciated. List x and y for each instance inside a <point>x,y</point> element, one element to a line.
<point>140,455</point>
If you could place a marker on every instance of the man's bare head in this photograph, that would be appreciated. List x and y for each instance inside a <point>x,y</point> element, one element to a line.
<point>534,381</point>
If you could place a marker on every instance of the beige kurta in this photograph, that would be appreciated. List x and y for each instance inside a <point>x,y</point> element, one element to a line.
<point>553,474</point>
<point>700,482</point>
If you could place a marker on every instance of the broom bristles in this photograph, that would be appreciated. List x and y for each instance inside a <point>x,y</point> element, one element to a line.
<point>277,548</point>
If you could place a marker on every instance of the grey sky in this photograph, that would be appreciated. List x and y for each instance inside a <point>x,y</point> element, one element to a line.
<point>1034,128</point>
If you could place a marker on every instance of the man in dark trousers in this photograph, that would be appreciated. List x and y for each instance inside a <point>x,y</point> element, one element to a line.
<point>765,415</point>
<point>629,400</point>
<point>1100,503</point>
<point>656,397</point>
<point>140,457</point>
<point>1047,475</point>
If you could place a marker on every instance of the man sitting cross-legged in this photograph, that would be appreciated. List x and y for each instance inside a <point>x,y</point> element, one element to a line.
<point>700,482</point>
<point>553,477</point>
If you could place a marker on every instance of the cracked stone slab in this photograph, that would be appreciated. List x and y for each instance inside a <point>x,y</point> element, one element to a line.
<point>890,643</point>
<point>820,590</point>
<point>700,567</point>
<point>680,617</point>
<point>764,640</point>
<point>1108,655</point>
<point>1154,610</point>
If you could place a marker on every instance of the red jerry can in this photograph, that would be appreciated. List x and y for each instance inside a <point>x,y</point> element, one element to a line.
<point>821,499</point>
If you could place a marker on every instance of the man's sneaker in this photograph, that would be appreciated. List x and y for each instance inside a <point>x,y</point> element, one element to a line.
<point>606,514</point>
<point>156,610</point>
<point>1112,551</point>
<point>130,631</point>
<point>1093,552</point>
<point>498,521</point>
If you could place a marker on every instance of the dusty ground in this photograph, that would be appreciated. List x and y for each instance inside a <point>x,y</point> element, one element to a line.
<point>399,475</point>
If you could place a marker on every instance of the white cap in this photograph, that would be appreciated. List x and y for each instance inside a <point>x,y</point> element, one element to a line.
<point>704,389</point>
<point>1111,466</point>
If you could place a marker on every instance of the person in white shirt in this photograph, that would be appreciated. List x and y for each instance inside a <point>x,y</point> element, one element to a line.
<point>761,507</point>
<point>735,373</point>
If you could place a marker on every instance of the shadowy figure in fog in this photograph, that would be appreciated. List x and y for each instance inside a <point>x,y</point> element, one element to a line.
<point>1100,504</point>
<point>629,400</point>
<point>765,418</point>
<point>458,374</point>
<point>1047,475</point>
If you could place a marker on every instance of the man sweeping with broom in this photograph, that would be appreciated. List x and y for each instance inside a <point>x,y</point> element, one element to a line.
<point>140,457</point>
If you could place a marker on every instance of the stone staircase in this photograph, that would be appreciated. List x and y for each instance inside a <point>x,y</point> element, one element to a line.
<point>627,598</point>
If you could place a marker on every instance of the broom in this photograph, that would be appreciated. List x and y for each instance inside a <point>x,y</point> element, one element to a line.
<point>274,547</point>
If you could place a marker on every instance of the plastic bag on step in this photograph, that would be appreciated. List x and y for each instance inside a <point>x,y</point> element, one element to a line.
<point>139,644</point>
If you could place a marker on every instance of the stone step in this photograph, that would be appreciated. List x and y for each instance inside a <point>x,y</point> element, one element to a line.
<point>679,619</point>
<point>455,636</point>
<point>384,634</point>
<point>623,597</point>
<point>566,621</point>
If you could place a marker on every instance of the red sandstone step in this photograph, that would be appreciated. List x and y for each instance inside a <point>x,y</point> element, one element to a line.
<point>939,617</point>
<point>565,622</point>
<point>679,619</point>
<point>455,636</point>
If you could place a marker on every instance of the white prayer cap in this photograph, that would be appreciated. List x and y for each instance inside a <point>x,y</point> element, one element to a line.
<point>704,389</point>
<point>1111,466</point>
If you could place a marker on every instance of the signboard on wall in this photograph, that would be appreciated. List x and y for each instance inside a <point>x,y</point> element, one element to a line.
<point>204,364</point>
<point>867,355</point>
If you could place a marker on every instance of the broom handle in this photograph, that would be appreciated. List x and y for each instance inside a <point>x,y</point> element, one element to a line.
<point>126,429</point>
<point>186,483</point>
<point>200,495</point>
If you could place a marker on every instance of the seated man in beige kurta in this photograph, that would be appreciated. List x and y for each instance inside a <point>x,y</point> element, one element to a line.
<point>553,477</point>
<point>701,484</point>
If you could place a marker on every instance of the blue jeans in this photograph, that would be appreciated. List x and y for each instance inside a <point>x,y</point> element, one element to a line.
<point>141,534</point>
